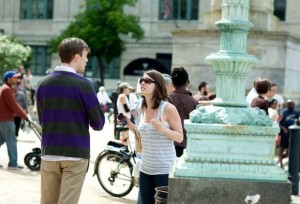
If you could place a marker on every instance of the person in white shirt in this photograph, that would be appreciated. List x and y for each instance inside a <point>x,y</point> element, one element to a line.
<point>274,95</point>
<point>252,94</point>
<point>273,111</point>
<point>28,86</point>
<point>103,98</point>
<point>123,105</point>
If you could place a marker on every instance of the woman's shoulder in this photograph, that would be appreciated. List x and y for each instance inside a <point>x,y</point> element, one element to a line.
<point>169,107</point>
<point>123,98</point>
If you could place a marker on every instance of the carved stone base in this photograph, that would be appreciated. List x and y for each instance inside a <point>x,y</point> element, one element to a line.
<point>230,152</point>
<point>226,191</point>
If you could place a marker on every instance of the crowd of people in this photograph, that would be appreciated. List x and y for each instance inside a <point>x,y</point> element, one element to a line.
<point>264,95</point>
<point>67,104</point>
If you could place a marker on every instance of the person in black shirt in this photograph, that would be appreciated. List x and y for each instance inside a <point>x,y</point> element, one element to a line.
<point>289,116</point>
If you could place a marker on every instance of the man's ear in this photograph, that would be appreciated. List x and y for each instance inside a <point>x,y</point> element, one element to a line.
<point>76,57</point>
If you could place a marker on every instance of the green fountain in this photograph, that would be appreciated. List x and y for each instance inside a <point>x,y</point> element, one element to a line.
<point>230,148</point>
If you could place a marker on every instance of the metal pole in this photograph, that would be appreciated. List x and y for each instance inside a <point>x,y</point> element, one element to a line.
<point>294,157</point>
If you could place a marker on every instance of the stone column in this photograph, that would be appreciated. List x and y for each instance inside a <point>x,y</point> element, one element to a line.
<point>261,15</point>
<point>216,4</point>
<point>265,5</point>
<point>211,16</point>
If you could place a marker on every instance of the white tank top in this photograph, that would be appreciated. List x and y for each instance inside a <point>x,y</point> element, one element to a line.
<point>121,108</point>
<point>158,150</point>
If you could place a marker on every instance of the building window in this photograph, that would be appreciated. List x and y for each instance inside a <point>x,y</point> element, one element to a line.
<point>112,70</point>
<point>40,60</point>
<point>179,9</point>
<point>279,9</point>
<point>36,9</point>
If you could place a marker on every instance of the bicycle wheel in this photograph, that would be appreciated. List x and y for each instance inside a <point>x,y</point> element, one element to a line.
<point>114,174</point>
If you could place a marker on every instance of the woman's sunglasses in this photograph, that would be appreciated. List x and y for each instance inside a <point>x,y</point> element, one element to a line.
<point>146,80</point>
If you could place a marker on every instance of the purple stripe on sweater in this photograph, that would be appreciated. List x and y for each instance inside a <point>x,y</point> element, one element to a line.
<point>66,140</point>
<point>90,100</point>
<point>58,92</point>
<point>64,116</point>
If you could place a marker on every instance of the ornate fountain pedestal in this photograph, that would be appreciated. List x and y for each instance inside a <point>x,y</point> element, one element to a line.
<point>226,163</point>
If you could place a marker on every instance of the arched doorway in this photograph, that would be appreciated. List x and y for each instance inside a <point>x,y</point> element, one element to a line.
<point>140,65</point>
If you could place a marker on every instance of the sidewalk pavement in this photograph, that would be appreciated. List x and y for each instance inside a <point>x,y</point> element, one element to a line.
<point>23,186</point>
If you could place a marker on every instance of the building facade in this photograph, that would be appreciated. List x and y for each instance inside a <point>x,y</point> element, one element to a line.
<point>35,23</point>
<point>182,35</point>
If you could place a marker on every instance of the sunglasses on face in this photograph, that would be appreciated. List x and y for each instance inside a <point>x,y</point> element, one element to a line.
<point>146,80</point>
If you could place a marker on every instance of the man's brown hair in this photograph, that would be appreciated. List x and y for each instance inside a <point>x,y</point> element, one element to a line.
<point>69,47</point>
<point>262,86</point>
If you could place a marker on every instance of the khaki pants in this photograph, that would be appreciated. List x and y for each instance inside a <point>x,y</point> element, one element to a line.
<point>61,181</point>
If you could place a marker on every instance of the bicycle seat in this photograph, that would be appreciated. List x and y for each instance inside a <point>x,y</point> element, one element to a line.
<point>121,128</point>
<point>115,144</point>
<point>118,145</point>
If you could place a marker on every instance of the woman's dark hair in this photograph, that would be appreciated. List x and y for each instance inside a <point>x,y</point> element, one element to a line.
<point>262,86</point>
<point>69,47</point>
<point>272,101</point>
<point>160,91</point>
<point>201,85</point>
<point>180,77</point>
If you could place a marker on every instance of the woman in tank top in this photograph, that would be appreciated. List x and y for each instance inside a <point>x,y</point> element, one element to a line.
<point>123,105</point>
<point>159,125</point>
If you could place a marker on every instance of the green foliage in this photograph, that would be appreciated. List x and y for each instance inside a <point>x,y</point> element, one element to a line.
<point>103,26</point>
<point>12,53</point>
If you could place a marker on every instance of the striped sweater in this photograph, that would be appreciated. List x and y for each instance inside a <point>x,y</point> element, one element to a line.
<point>67,104</point>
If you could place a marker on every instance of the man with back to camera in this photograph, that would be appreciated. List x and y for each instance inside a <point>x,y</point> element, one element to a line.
<point>8,108</point>
<point>67,104</point>
<point>183,100</point>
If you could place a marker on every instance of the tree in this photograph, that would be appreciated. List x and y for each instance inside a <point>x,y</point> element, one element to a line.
<point>103,26</point>
<point>12,53</point>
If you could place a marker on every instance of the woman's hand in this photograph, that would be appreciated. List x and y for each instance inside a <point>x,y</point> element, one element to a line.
<point>157,124</point>
<point>127,119</point>
<point>129,124</point>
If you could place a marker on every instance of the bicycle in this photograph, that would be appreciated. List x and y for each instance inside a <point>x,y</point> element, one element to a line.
<point>114,167</point>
